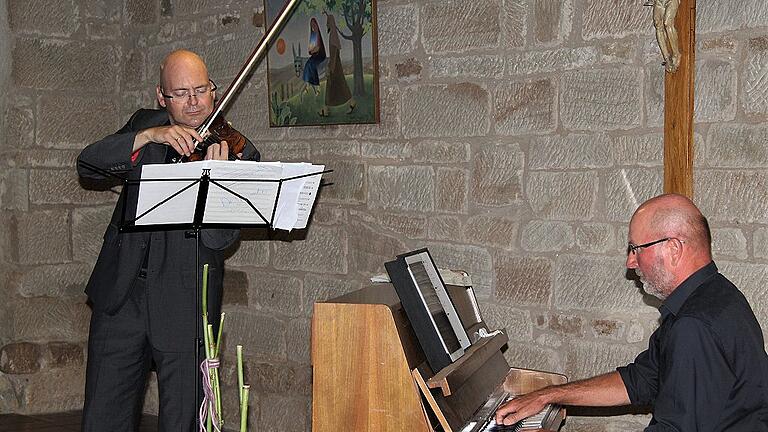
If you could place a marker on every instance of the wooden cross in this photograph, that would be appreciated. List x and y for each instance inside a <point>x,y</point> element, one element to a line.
<point>678,107</point>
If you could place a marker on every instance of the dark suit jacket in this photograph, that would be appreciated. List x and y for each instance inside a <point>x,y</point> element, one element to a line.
<point>171,263</point>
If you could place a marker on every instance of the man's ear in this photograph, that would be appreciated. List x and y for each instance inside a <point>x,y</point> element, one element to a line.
<point>159,95</point>
<point>675,251</point>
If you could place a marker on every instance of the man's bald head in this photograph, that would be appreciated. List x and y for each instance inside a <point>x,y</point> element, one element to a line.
<point>181,61</point>
<point>673,215</point>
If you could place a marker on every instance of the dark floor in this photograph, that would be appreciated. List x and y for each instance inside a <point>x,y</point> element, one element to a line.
<point>64,422</point>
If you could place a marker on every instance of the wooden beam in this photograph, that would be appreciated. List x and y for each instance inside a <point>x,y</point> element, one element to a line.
<point>678,107</point>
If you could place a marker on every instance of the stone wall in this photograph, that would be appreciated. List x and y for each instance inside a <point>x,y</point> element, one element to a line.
<point>516,139</point>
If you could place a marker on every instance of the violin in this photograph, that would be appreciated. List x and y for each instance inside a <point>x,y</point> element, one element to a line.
<point>219,130</point>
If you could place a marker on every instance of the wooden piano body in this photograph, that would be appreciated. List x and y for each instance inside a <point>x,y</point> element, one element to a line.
<point>365,357</point>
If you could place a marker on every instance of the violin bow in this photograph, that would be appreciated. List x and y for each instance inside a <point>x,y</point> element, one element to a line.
<point>253,60</point>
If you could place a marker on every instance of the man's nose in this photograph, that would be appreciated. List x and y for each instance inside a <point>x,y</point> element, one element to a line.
<point>631,260</point>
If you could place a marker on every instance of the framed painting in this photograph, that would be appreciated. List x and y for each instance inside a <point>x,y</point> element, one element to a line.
<point>323,67</point>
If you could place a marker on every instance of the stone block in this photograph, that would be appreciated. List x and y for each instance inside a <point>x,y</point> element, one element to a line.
<point>723,16</point>
<point>43,17</point>
<point>370,248</point>
<point>102,9</point>
<point>298,340</point>
<point>622,52</point>
<point>553,21</point>
<point>398,31</point>
<point>604,328</point>
<point>9,399</point>
<point>488,230</point>
<point>67,59</point>
<point>14,186</point>
<point>20,123</point>
<point>280,378</point>
<point>447,228</point>
<point>608,422</point>
<point>604,99</point>
<point>471,67</point>
<point>407,225</point>
<point>715,91</point>
<point>286,151</point>
<point>65,354</point>
<point>570,152</point>
<point>88,227</point>
<point>760,243</point>
<point>497,175</point>
<point>627,188</point>
<point>451,190</point>
<point>617,19</point>
<point>536,357</point>
<point>276,293</point>
<point>389,125</point>
<point>594,283</point>
<point>440,152</point>
<point>57,115</point>
<point>514,23</point>
<point>595,237</point>
<point>250,252</point>
<point>445,110</point>
<point>141,12</point>
<point>524,107</point>
<point>235,288</point>
<point>21,358</point>
<point>349,182</point>
<point>476,261</point>
<point>323,251</point>
<point>328,214</point>
<point>281,413</point>
<point>321,288</point>
<point>261,334</point>
<point>645,150</point>
<point>719,44</point>
<point>729,243</point>
<point>456,26</point>
<point>334,148</point>
<point>408,70</point>
<point>587,359</point>
<point>59,280</point>
<point>523,280</point>
<point>555,60</point>
<point>135,69</point>
<point>59,186</point>
<point>44,318</point>
<point>401,188</point>
<point>48,246</point>
<point>757,13</point>
<point>570,325</point>
<point>563,195</point>
<point>55,390</point>
<point>732,196</point>
<point>103,30</point>
<point>45,158</point>
<point>546,236</point>
<point>386,150</point>
<point>516,322</point>
<point>736,146</point>
<point>755,83</point>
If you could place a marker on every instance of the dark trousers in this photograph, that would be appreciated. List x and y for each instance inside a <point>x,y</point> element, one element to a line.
<point>120,355</point>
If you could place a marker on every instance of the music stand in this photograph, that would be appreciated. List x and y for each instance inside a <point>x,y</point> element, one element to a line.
<point>196,224</point>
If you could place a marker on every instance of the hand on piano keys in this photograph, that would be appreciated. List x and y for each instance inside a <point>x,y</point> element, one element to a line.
<point>527,412</point>
<point>528,424</point>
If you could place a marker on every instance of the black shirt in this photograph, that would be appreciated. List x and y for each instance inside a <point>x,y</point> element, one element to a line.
<point>705,368</point>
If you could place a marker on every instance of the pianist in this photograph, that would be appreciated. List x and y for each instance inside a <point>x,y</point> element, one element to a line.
<point>705,368</point>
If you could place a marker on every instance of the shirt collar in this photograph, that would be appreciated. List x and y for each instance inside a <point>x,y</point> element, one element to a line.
<point>675,301</point>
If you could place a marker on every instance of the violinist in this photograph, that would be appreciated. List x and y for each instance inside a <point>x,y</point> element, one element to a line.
<point>142,289</point>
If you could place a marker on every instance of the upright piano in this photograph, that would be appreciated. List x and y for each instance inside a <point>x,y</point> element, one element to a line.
<point>370,372</point>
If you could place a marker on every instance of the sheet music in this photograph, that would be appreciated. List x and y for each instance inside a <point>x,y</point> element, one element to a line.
<point>222,206</point>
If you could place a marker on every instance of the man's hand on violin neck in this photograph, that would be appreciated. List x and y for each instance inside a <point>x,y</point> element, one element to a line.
<point>181,138</point>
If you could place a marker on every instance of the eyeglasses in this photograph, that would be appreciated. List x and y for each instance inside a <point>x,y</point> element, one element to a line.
<point>183,95</point>
<point>633,248</point>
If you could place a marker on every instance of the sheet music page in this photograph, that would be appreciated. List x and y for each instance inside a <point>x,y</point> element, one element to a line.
<point>224,207</point>
<point>307,196</point>
<point>297,195</point>
<point>179,209</point>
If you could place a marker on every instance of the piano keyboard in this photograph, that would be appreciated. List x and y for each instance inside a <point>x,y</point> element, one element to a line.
<point>484,420</point>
